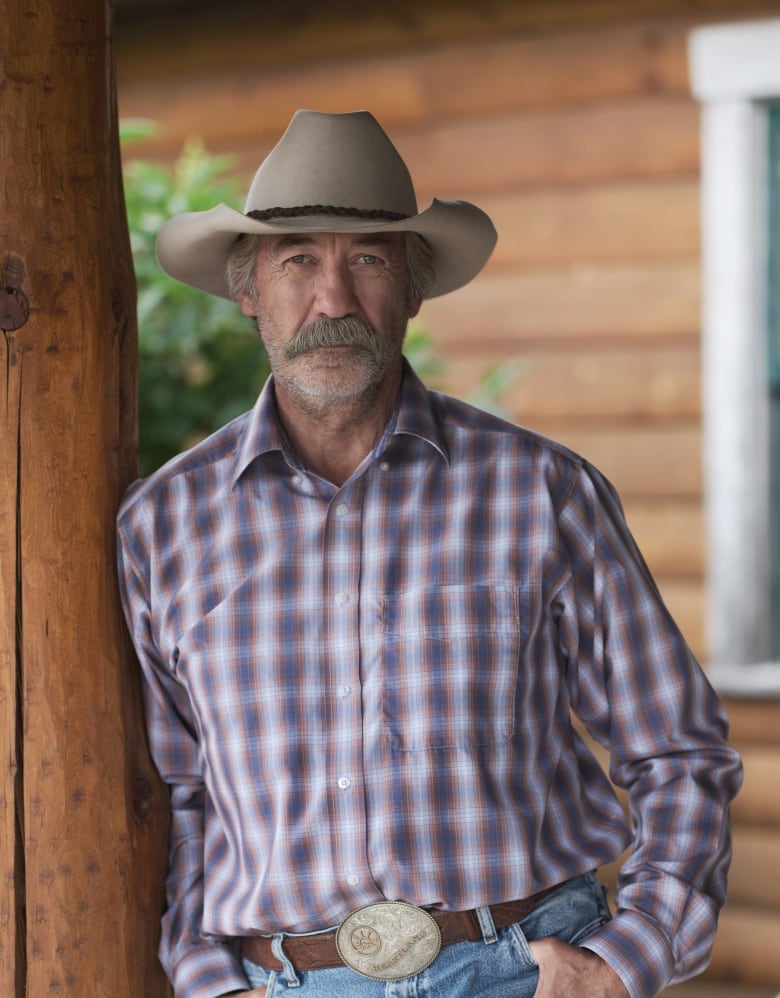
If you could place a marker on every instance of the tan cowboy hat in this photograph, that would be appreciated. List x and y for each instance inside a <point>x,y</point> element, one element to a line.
<point>329,173</point>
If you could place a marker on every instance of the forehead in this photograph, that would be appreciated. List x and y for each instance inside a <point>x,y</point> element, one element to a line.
<point>333,240</point>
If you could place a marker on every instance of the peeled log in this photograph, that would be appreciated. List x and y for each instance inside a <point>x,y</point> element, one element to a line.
<point>83,835</point>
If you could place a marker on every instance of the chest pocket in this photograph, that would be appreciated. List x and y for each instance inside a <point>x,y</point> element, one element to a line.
<point>449,666</point>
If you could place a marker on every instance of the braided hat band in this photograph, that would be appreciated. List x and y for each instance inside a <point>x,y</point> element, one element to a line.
<point>324,209</point>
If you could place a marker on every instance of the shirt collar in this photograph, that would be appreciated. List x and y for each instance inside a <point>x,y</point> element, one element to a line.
<point>415,416</point>
<point>418,415</point>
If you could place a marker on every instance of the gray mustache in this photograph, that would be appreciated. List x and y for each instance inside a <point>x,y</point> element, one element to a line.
<point>346,332</point>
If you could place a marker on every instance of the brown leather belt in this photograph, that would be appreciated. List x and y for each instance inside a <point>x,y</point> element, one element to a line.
<point>318,952</point>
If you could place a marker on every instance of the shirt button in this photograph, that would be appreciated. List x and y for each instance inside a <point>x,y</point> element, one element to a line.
<point>384,465</point>
<point>297,479</point>
<point>344,782</point>
<point>342,598</point>
<point>342,510</point>
<point>344,691</point>
<point>353,880</point>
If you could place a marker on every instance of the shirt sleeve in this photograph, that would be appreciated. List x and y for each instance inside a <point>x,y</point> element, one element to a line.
<point>198,967</point>
<point>641,694</point>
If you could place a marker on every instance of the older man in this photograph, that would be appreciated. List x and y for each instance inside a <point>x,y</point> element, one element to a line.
<point>365,615</point>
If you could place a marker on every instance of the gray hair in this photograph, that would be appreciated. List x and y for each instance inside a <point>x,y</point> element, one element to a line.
<point>240,271</point>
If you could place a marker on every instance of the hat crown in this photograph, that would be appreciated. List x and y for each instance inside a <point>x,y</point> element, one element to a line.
<point>333,160</point>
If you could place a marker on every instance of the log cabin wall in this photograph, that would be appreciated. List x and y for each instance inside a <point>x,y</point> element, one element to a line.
<point>573,125</point>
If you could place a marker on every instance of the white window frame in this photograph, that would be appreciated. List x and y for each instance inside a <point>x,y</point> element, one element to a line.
<point>735,74</point>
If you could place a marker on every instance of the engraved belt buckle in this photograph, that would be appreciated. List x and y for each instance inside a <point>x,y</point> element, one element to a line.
<point>388,941</point>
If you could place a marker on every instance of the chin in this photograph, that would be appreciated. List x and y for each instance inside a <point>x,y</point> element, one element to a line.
<point>349,379</point>
<point>332,389</point>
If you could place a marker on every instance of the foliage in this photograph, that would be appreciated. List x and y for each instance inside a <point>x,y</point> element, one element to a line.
<point>201,363</point>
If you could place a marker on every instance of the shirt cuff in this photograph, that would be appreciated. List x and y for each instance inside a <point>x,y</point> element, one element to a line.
<point>638,950</point>
<point>209,971</point>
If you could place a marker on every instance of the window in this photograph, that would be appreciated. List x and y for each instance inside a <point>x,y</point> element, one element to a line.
<point>735,73</point>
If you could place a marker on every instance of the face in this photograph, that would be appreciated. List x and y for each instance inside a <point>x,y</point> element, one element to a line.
<point>332,310</point>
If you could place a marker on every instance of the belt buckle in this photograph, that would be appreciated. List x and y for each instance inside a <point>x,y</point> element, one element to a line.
<point>388,941</point>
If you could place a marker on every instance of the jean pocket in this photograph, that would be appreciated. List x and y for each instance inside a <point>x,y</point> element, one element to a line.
<point>520,947</point>
<point>587,930</point>
<point>572,913</point>
<point>259,977</point>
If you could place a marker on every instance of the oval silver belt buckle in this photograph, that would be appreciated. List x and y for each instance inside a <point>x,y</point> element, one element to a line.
<point>388,941</point>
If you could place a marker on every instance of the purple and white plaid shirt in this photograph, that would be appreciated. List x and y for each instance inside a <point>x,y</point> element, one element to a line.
<point>365,692</point>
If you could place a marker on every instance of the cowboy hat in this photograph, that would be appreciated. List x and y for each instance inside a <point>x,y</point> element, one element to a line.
<point>328,173</point>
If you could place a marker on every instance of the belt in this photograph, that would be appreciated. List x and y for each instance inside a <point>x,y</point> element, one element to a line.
<point>319,952</point>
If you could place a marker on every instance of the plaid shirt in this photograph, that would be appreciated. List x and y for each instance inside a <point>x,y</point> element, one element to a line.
<point>366,692</point>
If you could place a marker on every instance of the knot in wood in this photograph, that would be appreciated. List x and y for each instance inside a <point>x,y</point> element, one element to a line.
<point>14,308</point>
<point>142,798</point>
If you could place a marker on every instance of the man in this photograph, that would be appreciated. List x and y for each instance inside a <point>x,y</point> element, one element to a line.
<point>365,615</point>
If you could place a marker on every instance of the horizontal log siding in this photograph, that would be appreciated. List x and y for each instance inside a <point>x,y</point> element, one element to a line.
<point>583,146</point>
<point>572,125</point>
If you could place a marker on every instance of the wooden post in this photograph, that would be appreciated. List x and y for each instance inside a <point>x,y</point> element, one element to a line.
<point>83,834</point>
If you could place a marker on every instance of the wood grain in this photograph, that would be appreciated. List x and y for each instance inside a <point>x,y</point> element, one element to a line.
<point>83,818</point>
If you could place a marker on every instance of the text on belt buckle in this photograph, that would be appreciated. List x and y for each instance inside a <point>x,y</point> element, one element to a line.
<point>388,941</point>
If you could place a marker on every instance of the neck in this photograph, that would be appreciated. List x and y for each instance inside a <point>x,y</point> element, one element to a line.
<point>333,437</point>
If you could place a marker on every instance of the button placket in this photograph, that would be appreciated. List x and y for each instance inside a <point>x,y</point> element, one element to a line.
<point>342,552</point>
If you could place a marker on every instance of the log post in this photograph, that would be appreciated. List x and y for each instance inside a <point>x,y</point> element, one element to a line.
<point>83,836</point>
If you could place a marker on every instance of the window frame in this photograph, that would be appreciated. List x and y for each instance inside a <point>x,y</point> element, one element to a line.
<point>735,74</point>
<point>773,354</point>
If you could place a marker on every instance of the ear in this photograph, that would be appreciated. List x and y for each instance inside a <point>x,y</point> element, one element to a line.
<point>413,306</point>
<point>248,306</point>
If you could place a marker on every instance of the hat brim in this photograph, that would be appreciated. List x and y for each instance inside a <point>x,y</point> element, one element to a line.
<point>193,247</point>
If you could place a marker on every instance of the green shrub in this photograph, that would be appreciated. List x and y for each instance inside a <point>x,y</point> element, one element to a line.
<point>200,361</point>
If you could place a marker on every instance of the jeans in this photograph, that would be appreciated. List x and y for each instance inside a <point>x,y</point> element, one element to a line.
<point>499,966</point>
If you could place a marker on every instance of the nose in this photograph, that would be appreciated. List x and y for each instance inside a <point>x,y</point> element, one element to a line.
<point>335,290</point>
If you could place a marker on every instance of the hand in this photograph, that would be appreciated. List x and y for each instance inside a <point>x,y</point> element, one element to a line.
<point>573,972</point>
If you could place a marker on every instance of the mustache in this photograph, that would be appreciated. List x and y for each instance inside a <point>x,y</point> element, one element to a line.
<point>345,332</point>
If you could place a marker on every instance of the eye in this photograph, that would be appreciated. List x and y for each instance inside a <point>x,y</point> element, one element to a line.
<point>369,259</point>
<point>299,258</point>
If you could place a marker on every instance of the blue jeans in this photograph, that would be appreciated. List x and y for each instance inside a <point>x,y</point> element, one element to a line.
<point>499,966</point>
